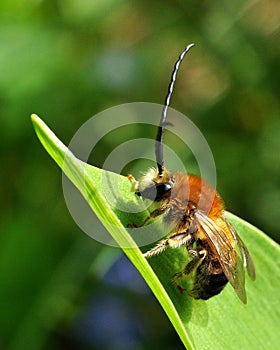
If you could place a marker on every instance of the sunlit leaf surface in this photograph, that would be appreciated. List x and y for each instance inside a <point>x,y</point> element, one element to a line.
<point>221,322</point>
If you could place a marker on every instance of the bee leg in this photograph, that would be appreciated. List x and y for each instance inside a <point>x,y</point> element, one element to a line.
<point>159,248</point>
<point>174,241</point>
<point>153,215</point>
<point>134,183</point>
<point>198,257</point>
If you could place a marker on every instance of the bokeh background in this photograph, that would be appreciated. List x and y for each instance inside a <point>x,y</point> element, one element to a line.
<point>69,59</point>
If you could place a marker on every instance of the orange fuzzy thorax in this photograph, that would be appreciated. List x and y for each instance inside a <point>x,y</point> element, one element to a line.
<point>193,188</point>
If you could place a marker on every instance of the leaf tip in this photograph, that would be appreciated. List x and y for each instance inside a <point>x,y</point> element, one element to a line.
<point>34,118</point>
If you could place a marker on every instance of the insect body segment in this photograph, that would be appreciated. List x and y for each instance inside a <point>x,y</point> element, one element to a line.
<point>193,212</point>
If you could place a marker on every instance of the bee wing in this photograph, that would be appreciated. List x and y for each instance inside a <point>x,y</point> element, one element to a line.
<point>246,257</point>
<point>224,244</point>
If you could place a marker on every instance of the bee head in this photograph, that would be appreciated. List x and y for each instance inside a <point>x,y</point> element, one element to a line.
<point>154,186</point>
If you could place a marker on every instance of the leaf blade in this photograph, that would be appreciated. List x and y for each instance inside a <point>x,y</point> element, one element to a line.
<point>78,172</point>
<point>220,322</point>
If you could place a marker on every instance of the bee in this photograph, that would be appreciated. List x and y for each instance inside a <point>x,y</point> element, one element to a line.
<point>194,211</point>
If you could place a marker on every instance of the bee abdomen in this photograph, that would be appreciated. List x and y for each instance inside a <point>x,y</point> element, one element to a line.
<point>206,285</point>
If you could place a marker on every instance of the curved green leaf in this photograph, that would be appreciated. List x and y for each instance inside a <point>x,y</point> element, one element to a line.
<point>219,323</point>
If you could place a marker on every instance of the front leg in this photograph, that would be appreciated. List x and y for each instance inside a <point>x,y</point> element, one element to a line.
<point>152,215</point>
<point>134,183</point>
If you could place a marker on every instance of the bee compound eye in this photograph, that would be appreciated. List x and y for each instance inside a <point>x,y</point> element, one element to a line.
<point>163,188</point>
<point>155,192</point>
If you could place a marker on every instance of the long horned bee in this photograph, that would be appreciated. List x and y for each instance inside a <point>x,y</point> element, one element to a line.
<point>195,212</point>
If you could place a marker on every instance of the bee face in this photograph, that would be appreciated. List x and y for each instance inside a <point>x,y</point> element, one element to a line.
<point>194,215</point>
<point>155,187</point>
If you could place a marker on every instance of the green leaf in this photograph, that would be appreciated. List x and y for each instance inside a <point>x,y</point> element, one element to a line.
<point>219,323</point>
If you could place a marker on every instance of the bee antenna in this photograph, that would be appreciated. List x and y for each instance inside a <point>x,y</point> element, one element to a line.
<point>162,124</point>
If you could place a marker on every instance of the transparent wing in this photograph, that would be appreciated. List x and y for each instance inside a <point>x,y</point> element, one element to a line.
<point>246,257</point>
<point>224,240</point>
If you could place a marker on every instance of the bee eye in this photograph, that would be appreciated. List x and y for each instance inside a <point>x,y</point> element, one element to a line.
<point>162,189</point>
<point>155,192</point>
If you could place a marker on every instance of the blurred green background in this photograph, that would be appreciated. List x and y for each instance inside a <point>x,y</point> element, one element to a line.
<point>69,59</point>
